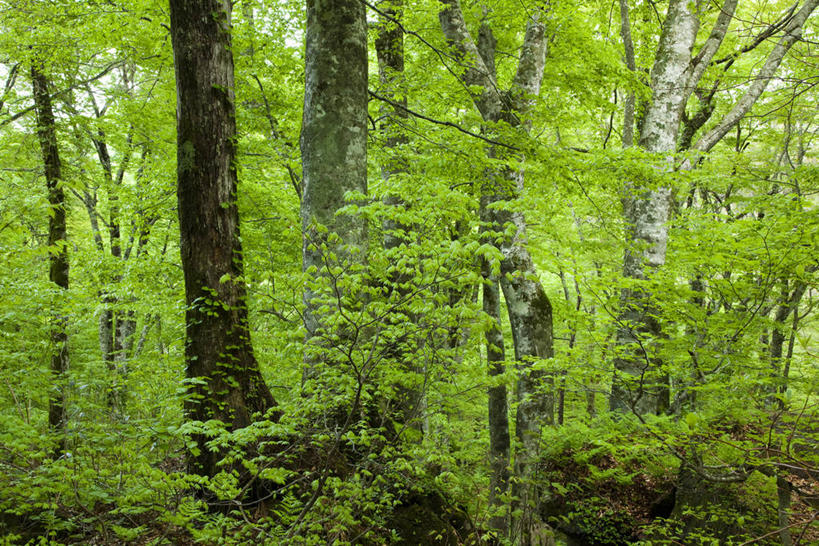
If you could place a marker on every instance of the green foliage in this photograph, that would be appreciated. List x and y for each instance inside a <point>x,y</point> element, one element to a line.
<point>383,433</point>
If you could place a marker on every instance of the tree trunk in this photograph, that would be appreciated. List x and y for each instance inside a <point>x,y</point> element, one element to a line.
<point>333,138</point>
<point>225,380</point>
<point>58,250</point>
<point>111,321</point>
<point>638,385</point>
<point>499,439</point>
<point>389,49</point>
<point>530,318</point>
<point>628,57</point>
<point>530,313</point>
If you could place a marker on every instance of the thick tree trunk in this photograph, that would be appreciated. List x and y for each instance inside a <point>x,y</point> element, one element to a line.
<point>783,508</point>
<point>638,384</point>
<point>333,138</point>
<point>225,380</point>
<point>58,250</point>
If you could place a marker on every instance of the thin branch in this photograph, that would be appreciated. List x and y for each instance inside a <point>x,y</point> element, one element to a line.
<point>440,122</point>
<point>81,83</point>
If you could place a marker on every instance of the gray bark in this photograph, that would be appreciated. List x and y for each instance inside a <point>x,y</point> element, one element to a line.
<point>792,33</point>
<point>529,310</point>
<point>497,397</point>
<point>333,137</point>
<point>702,60</point>
<point>637,385</point>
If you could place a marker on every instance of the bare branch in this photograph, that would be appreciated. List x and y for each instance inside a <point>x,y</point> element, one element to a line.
<point>793,32</point>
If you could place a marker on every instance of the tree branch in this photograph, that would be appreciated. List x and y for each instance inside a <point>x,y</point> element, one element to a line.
<point>440,122</point>
<point>793,32</point>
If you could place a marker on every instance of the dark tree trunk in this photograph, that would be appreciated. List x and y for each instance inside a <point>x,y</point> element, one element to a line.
<point>225,381</point>
<point>389,49</point>
<point>111,322</point>
<point>58,250</point>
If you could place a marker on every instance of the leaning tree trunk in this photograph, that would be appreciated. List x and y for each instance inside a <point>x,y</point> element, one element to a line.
<point>58,249</point>
<point>224,377</point>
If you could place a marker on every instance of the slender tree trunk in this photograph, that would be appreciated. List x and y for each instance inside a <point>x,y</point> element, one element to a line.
<point>499,439</point>
<point>780,368</point>
<point>389,49</point>
<point>111,322</point>
<point>791,34</point>
<point>225,380</point>
<point>58,250</point>
<point>628,56</point>
<point>788,305</point>
<point>529,309</point>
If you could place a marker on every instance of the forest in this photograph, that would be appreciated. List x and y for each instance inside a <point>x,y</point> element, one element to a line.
<point>462,272</point>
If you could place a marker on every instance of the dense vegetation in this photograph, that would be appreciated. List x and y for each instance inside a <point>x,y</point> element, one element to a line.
<point>464,272</point>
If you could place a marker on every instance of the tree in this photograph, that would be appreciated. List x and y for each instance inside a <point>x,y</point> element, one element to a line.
<point>530,313</point>
<point>57,245</point>
<point>333,138</point>
<point>384,432</point>
<point>639,383</point>
<point>225,382</point>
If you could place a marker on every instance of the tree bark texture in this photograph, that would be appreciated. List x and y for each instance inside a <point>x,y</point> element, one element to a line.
<point>638,384</point>
<point>529,309</point>
<point>58,249</point>
<point>225,380</point>
<point>499,439</point>
<point>334,135</point>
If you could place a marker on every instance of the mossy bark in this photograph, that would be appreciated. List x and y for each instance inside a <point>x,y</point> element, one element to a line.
<point>225,382</point>
<point>333,138</point>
